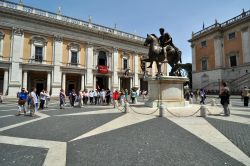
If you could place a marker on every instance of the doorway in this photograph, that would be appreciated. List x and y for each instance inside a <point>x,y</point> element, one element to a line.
<point>125,83</point>
<point>102,82</point>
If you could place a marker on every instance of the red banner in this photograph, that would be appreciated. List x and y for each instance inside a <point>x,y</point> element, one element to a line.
<point>103,69</point>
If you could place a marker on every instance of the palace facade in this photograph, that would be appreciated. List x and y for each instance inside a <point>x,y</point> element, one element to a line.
<point>222,52</point>
<point>52,51</point>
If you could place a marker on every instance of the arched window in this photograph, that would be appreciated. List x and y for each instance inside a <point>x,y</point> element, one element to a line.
<point>102,58</point>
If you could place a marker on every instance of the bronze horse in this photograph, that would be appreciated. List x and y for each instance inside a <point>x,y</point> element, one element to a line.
<point>156,54</point>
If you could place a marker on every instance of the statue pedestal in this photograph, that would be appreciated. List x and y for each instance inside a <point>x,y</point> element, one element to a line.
<point>167,90</point>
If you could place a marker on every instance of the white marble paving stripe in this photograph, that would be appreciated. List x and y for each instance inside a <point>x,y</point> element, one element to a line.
<point>122,121</point>
<point>42,116</point>
<point>232,118</point>
<point>15,109</point>
<point>56,155</point>
<point>92,113</point>
<point>205,131</point>
<point>5,116</point>
<point>240,112</point>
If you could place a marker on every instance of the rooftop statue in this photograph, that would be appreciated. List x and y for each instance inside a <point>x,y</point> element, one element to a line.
<point>162,50</point>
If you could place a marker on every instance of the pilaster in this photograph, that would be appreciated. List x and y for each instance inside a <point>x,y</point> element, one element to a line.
<point>15,77</point>
<point>115,82</point>
<point>89,60</point>
<point>56,79</point>
<point>245,44</point>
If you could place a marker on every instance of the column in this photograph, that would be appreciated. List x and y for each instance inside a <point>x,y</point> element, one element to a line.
<point>115,80</point>
<point>136,77</point>
<point>15,76</point>
<point>25,79</point>
<point>83,82</point>
<point>64,81</point>
<point>56,75</point>
<point>48,82</point>
<point>245,44</point>
<point>119,84</point>
<point>193,57</point>
<point>5,81</point>
<point>89,61</point>
<point>110,84</point>
<point>94,83</point>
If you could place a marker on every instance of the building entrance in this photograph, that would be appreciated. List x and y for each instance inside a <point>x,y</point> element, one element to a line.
<point>125,83</point>
<point>102,82</point>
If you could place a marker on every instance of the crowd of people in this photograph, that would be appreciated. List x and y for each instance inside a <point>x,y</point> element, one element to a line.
<point>28,101</point>
<point>98,97</point>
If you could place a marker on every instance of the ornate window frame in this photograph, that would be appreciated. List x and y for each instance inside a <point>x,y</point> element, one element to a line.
<point>73,46</point>
<point>38,41</point>
<point>127,57</point>
<point>1,44</point>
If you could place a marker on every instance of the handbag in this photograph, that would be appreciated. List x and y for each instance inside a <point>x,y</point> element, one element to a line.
<point>21,102</point>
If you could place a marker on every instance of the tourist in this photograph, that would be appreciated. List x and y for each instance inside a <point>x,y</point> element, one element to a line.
<point>62,97</point>
<point>102,96</point>
<point>115,97</point>
<point>144,92</point>
<point>108,96</point>
<point>224,95</point>
<point>96,94</point>
<point>86,97</point>
<point>80,98</point>
<point>122,98</point>
<point>126,95</point>
<point>33,102</point>
<point>133,96</point>
<point>72,97</point>
<point>42,99</point>
<point>91,96</point>
<point>47,98</point>
<point>246,94</point>
<point>22,99</point>
<point>203,96</point>
<point>196,95</point>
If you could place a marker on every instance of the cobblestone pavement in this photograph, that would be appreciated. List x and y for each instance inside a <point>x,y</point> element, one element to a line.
<point>101,135</point>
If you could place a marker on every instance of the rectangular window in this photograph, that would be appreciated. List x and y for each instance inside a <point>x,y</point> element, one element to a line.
<point>204,64</point>
<point>204,43</point>
<point>38,54</point>
<point>125,64</point>
<point>231,36</point>
<point>233,61</point>
<point>73,58</point>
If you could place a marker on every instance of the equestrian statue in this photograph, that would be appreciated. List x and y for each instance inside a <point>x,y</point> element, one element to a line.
<point>162,50</point>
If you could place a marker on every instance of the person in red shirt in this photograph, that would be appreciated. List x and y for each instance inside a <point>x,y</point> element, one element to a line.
<point>115,97</point>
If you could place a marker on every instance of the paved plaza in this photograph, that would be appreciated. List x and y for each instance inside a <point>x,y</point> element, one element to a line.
<point>102,135</point>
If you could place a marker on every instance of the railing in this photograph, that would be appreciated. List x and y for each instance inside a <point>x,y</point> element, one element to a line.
<point>224,24</point>
<point>70,20</point>
<point>240,82</point>
<point>36,61</point>
<point>73,65</point>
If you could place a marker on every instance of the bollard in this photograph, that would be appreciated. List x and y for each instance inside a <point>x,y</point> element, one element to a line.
<point>126,107</point>
<point>203,111</point>
<point>161,110</point>
<point>213,102</point>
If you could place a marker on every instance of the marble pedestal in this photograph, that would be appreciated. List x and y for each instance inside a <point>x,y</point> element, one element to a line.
<point>167,90</point>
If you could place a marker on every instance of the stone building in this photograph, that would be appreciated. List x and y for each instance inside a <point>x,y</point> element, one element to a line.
<point>222,52</point>
<point>52,51</point>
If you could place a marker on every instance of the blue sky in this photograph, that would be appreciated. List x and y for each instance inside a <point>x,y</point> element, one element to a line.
<point>178,17</point>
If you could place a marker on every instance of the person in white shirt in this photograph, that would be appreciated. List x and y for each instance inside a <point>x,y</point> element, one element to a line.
<point>34,102</point>
<point>91,96</point>
<point>102,96</point>
<point>47,98</point>
<point>42,99</point>
<point>80,98</point>
<point>96,94</point>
